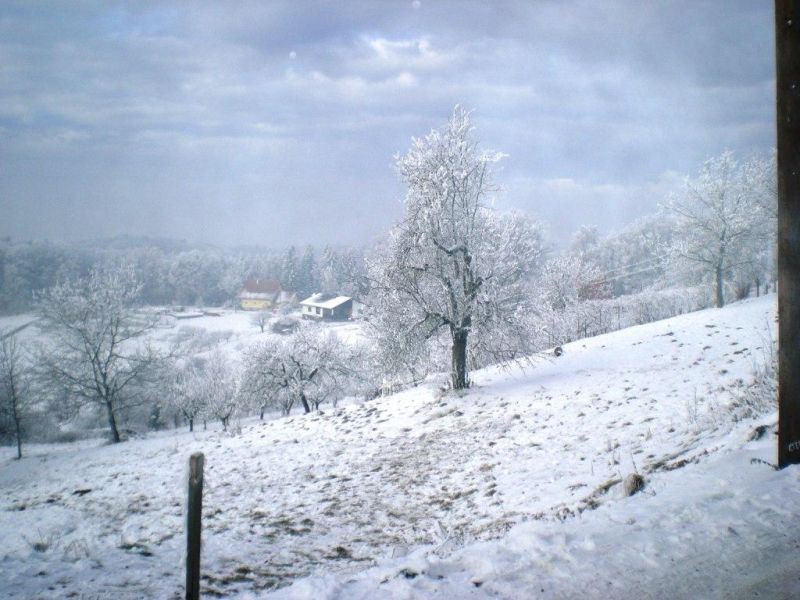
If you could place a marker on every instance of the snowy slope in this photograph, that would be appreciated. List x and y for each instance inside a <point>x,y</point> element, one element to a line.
<point>526,461</point>
<point>724,528</point>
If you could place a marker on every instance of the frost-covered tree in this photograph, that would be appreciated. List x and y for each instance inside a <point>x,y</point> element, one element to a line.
<point>566,280</point>
<point>290,270</point>
<point>195,276</point>
<point>565,284</point>
<point>762,171</point>
<point>306,368</point>
<point>630,260</point>
<point>454,265</point>
<point>585,241</point>
<point>328,272</point>
<point>152,270</point>
<point>236,272</point>
<point>398,359</point>
<point>95,349</point>
<point>719,220</point>
<point>187,393</point>
<point>15,385</point>
<point>260,319</point>
<point>306,274</point>
<point>28,268</point>
<point>220,383</point>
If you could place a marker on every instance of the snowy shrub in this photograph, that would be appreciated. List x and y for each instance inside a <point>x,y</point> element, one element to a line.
<point>193,340</point>
<point>760,395</point>
<point>44,541</point>
<point>588,318</point>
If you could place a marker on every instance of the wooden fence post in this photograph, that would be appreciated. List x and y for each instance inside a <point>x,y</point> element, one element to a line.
<point>787,41</point>
<point>193,526</point>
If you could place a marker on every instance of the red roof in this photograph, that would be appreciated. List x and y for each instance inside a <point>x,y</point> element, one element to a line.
<point>262,286</point>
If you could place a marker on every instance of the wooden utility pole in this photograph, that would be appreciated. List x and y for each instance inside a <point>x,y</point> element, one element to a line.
<point>787,41</point>
<point>193,526</point>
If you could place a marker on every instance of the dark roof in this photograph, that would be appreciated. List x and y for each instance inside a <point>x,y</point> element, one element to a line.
<point>262,286</point>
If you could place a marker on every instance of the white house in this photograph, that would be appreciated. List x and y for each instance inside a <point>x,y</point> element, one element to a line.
<point>327,307</point>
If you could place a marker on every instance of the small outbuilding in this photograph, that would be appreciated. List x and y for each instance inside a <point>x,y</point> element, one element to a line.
<point>327,307</point>
<point>286,298</point>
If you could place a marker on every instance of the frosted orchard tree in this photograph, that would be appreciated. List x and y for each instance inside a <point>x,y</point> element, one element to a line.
<point>94,350</point>
<point>762,171</point>
<point>260,319</point>
<point>220,381</point>
<point>187,392</point>
<point>308,367</point>
<point>719,220</point>
<point>15,385</point>
<point>454,266</point>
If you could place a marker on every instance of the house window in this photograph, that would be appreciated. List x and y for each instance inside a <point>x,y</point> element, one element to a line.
<point>318,311</point>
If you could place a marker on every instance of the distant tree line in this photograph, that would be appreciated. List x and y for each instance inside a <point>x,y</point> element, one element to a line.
<point>175,275</point>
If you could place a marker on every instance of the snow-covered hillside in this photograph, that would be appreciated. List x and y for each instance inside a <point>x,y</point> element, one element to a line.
<point>509,490</point>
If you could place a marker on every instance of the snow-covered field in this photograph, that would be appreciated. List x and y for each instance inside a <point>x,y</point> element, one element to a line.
<point>228,330</point>
<point>509,490</point>
<point>238,327</point>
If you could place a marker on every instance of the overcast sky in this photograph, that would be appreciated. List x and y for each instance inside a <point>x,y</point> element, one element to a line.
<point>276,123</point>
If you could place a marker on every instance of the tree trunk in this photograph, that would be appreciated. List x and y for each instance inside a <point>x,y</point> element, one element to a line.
<point>459,366</point>
<point>112,422</point>
<point>306,407</point>
<point>191,424</point>
<point>261,414</point>
<point>719,299</point>
<point>18,431</point>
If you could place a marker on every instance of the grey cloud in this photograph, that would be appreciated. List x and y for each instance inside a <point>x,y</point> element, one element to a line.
<point>250,122</point>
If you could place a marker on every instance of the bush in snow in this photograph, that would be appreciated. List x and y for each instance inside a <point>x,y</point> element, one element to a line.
<point>580,319</point>
<point>760,395</point>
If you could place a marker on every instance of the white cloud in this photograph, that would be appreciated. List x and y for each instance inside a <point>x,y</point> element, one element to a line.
<point>391,55</point>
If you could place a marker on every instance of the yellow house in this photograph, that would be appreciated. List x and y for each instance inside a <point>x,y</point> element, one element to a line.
<point>259,294</point>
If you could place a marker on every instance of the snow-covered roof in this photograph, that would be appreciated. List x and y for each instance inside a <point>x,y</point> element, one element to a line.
<point>256,295</point>
<point>325,301</point>
<point>261,286</point>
